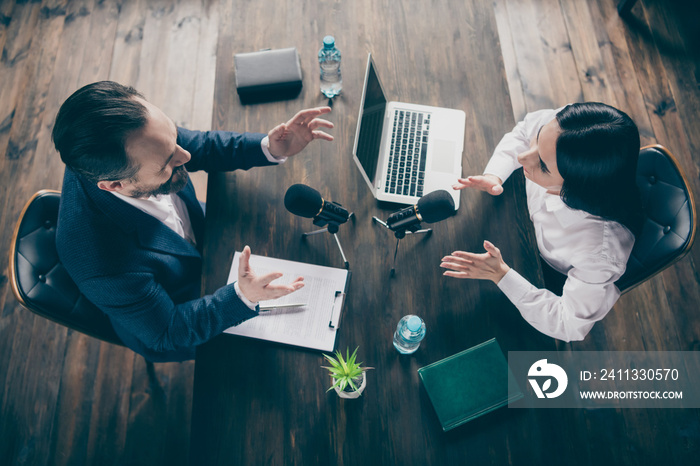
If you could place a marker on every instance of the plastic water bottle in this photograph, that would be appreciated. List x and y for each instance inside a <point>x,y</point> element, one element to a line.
<point>329,61</point>
<point>409,333</point>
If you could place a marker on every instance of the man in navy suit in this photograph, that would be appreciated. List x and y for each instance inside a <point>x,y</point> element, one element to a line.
<point>130,227</point>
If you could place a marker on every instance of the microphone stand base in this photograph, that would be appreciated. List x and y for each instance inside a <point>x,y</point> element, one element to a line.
<point>337,241</point>
<point>315,232</point>
<point>399,235</point>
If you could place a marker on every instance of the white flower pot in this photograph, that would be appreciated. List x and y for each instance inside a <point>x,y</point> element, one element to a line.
<point>353,393</point>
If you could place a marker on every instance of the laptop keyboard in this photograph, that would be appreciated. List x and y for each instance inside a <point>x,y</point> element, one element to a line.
<point>409,146</point>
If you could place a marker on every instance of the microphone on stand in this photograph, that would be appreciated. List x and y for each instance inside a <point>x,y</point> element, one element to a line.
<point>305,201</point>
<point>431,208</point>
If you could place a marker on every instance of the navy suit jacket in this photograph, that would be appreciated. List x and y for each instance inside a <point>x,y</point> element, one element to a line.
<point>145,277</point>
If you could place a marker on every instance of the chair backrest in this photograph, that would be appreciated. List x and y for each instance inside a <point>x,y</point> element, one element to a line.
<point>39,280</point>
<point>670,218</point>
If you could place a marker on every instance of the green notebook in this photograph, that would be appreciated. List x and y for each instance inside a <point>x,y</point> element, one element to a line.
<point>468,384</point>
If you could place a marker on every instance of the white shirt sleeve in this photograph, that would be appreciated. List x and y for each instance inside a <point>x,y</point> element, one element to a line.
<point>504,160</point>
<point>589,294</point>
<point>245,300</point>
<point>265,145</point>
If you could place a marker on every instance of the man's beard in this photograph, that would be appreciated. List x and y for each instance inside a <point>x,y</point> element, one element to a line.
<point>177,181</point>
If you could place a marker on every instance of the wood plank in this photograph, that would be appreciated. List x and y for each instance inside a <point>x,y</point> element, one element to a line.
<point>148,408</point>
<point>33,393</point>
<point>109,416</point>
<point>159,413</point>
<point>585,48</point>
<point>155,48</point>
<point>179,412</point>
<point>542,48</point>
<point>654,84</point>
<point>509,59</point>
<point>71,425</point>
<point>6,8</point>
<point>610,31</point>
<point>32,100</point>
<point>205,70</point>
<point>127,47</point>
<point>14,66</point>
<point>176,79</point>
<point>101,40</point>
<point>17,325</point>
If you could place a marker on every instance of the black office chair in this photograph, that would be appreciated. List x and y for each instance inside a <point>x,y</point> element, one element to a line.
<point>670,218</point>
<point>39,280</point>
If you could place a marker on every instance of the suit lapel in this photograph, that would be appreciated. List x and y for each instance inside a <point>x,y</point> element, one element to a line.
<point>151,233</point>
<point>158,237</point>
<point>189,197</point>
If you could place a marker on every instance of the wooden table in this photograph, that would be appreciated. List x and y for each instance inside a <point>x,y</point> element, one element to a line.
<point>262,403</point>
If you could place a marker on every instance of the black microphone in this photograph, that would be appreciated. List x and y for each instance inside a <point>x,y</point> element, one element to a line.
<point>431,208</point>
<point>305,201</point>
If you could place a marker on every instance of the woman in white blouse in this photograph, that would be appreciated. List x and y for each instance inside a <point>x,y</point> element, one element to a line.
<point>580,163</point>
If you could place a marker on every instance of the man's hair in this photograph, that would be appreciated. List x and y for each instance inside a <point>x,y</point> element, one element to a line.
<point>91,130</point>
<point>597,153</point>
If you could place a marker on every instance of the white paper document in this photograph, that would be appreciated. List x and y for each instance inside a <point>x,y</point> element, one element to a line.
<point>311,326</point>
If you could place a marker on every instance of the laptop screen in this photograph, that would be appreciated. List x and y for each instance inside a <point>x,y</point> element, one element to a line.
<point>371,121</point>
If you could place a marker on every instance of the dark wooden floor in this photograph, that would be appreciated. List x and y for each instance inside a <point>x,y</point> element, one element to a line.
<point>68,399</point>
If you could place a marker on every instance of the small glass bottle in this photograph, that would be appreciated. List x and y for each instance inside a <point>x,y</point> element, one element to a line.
<point>329,63</point>
<point>409,333</point>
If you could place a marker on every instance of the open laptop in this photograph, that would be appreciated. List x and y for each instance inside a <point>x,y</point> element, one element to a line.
<point>405,151</point>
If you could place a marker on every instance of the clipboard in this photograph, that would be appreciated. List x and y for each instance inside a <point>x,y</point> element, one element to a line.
<point>338,303</point>
<point>314,325</point>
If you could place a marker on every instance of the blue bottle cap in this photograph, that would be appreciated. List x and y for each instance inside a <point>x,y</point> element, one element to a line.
<point>329,42</point>
<point>414,323</point>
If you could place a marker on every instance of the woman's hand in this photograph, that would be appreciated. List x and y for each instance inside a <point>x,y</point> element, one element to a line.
<point>487,266</point>
<point>488,183</point>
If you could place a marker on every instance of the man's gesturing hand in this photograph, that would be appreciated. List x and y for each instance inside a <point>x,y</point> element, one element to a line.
<point>290,138</point>
<point>256,288</point>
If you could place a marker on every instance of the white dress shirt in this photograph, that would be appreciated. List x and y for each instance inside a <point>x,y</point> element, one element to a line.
<point>591,251</point>
<point>171,210</point>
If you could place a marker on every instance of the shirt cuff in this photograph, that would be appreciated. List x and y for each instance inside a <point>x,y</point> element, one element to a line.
<point>500,168</point>
<point>514,286</point>
<point>265,145</point>
<point>253,306</point>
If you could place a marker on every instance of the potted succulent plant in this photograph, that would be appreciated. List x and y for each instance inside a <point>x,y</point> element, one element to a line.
<point>348,376</point>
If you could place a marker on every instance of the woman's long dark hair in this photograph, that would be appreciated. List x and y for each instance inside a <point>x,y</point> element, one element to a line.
<point>597,153</point>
